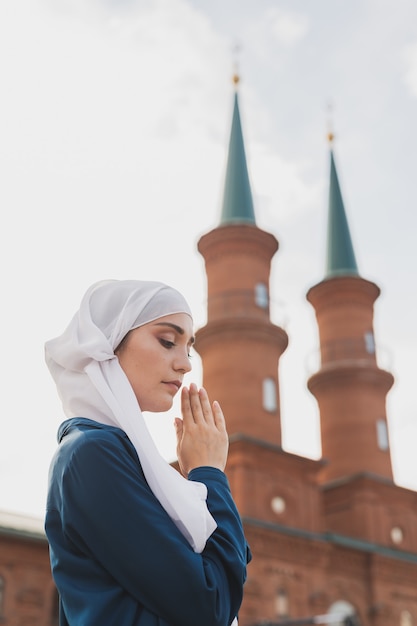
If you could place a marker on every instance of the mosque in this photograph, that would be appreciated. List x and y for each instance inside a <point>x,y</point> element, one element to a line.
<point>334,540</point>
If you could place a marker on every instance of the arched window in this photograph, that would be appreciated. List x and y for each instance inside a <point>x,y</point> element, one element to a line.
<point>382,434</point>
<point>369,342</point>
<point>281,603</point>
<point>269,395</point>
<point>261,295</point>
<point>406,619</point>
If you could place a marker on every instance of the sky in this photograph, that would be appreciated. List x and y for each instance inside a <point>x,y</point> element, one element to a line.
<point>114,123</point>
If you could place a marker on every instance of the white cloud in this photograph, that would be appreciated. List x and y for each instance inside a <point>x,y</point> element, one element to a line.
<point>286,190</point>
<point>272,33</point>
<point>410,71</point>
<point>287,27</point>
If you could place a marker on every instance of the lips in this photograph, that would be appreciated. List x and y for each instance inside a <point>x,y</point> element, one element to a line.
<point>174,384</point>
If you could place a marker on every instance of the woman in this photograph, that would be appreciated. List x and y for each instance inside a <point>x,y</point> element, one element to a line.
<point>132,542</point>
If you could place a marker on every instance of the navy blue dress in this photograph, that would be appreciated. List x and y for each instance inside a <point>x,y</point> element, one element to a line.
<point>117,558</point>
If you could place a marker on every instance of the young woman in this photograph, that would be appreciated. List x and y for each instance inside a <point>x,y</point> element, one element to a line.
<point>132,542</point>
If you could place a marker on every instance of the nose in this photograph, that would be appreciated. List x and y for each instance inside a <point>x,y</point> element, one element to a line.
<point>182,362</point>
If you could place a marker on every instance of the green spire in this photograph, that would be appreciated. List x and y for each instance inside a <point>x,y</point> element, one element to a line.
<point>340,255</point>
<point>237,197</point>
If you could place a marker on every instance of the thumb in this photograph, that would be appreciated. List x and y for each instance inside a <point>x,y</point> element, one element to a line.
<point>178,425</point>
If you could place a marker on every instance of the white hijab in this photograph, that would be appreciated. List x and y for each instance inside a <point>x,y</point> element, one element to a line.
<point>92,384</point>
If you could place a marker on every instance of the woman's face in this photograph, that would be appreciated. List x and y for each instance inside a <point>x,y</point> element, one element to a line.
<point>155,358</point>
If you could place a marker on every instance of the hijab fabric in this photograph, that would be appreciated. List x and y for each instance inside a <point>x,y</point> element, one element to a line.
<point>92,384</point>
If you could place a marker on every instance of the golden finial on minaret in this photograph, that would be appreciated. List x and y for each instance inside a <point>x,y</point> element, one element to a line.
<point>236,77</point>
<point>330,133</point>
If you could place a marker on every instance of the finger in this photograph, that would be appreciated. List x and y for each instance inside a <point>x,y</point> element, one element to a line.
<point>205,405</point>
<point>187,414</point>
<point>178,425</point>
<point>195,403</point>
<point>218,416</point>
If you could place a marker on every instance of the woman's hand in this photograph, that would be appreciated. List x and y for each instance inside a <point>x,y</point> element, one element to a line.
<point>201,434</point>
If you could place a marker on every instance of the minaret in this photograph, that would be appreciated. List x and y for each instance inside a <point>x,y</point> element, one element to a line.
<point>239,346</point>
<point>349,387</point>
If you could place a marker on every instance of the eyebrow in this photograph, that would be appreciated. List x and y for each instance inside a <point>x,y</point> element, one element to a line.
<point>178,329</point>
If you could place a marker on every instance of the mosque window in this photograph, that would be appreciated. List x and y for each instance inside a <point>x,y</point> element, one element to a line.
<point>278,505</point>
<point>281,603</point>
<point>269,395</point>
<point>406,619</point>
<point>370,342</point>
<point>382,434</point>
<point>261,295</point>
<point>397,535</point>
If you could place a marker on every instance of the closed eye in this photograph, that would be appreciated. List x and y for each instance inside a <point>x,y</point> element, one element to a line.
<point>166,344</point>
<point>169,345</point>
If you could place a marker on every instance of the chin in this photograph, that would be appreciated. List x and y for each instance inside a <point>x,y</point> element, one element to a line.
<point>160,407</point>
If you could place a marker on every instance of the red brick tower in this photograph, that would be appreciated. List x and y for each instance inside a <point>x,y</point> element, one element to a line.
<point>239,346</point>
<point>350,388</point>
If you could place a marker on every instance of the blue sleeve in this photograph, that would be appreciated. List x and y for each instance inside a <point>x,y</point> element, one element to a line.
<point>109,513</point>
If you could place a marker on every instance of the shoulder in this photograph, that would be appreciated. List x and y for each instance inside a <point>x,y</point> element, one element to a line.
<point>89,444</point>
<point>79,431</point>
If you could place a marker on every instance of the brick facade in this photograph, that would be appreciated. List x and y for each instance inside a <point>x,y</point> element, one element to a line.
<point>27,594</point>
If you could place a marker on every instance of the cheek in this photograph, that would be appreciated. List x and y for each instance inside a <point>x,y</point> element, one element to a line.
<point>145,369</point>
<point>131,368</point>
<point>144,365</point>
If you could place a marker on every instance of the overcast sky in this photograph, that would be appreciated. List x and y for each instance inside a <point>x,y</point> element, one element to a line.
<point>114,123</point>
